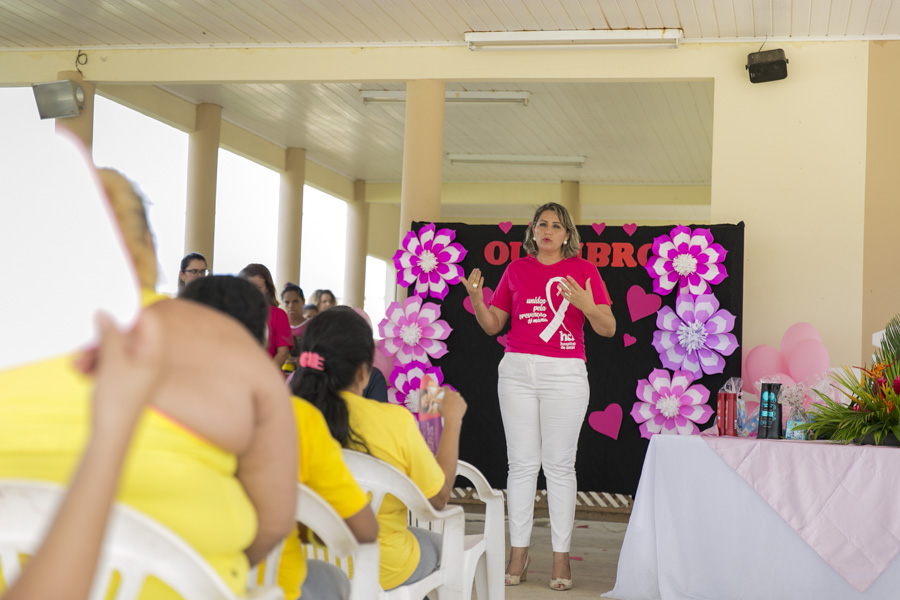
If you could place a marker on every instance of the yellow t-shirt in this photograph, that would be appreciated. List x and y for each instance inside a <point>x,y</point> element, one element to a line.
<point>171,474</point>
<point>322,468</point>
<point>391,433</point>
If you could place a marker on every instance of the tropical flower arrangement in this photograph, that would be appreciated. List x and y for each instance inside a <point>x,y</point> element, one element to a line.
<point>873,410</point>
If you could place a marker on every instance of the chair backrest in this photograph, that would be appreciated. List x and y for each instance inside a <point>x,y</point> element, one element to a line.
<point>342,549</point>
<point>485,553</point>
<point>379,478</point>
<point>135,546</point>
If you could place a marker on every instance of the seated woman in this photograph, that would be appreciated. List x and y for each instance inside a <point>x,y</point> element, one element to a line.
<point>213,481</point>
<point>323,299</point>
<point>280,340</point>
<point>193,266</point>
<point>337,351</point>
<point>321,465</point>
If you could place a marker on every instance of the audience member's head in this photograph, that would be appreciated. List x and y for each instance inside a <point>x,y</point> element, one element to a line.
<point>128,207</point>
<point>235,297</point>
<point>293,299</point>
<point>323,299</point>
<point>260,276</point>
<point>309,311</point>
<point>192,266</point>
<point>335,355</point>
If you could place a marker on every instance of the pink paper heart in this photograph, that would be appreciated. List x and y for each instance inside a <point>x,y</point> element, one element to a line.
<point>501,339</point>
<point>487,294</point>
<point>628,339</point>
<point>640,303</point>
<point>629,228</point>
<point>598,227</point>
<point>505,226</point>
<point>607,421</point>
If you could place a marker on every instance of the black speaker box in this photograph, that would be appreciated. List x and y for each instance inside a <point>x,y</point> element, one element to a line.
<point>770,65</point>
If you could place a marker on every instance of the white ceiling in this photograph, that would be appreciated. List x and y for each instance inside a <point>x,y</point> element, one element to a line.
<point>630,133</point>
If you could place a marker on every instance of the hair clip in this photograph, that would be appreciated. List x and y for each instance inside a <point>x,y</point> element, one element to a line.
<point>311,360</point>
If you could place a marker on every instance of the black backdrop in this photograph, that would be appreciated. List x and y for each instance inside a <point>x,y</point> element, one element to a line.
<point>603,464</point>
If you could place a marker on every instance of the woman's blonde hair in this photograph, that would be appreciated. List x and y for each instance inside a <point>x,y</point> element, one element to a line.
<point>572,246</point>
<point>128,206</point>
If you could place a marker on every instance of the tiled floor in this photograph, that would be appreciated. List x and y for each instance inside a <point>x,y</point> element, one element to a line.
<point>595,554</point>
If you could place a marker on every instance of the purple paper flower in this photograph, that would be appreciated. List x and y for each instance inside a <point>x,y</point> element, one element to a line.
<point>670,406</point>
<point>695,335</point>
<point>406,380</point>
<point>688,258</point>
<point>429,261</point>
<point>411,331</point>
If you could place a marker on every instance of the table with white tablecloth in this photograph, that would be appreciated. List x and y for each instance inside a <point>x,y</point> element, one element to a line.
<point>707,527</point>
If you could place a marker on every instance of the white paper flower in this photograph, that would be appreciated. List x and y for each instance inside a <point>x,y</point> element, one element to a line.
<point>429,260</point>
<point>413,331</point>
<point>670,406</point>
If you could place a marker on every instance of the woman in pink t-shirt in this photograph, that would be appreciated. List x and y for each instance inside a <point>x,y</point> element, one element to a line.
<point>542,384</point>
<point>280,341</point>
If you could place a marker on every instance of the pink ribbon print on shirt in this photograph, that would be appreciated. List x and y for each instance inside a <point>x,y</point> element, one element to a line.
<point>558,314</point>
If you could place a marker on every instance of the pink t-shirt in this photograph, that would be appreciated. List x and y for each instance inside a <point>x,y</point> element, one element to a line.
<point>279,330</point>
<point>541,321</point>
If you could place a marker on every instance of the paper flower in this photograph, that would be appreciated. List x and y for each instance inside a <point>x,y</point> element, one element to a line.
<point>687,258</point>
<point>406,380</point>
<point>429,261</point>
<point>695,335</point>
<point>670,406</point>
<point>412,331</point>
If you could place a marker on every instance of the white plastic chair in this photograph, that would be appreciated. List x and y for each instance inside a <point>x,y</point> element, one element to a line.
<point>380,478</point>
<point>485,552</point>
<point>343,550</point>
<point>135,546</point>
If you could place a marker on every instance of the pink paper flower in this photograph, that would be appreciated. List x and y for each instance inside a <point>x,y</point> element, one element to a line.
<point>670,406</point>
<point>412,331</point>
<point>688,258</point>
<point>695,335</point>
<point>429,261</point>
<point>406,380</point>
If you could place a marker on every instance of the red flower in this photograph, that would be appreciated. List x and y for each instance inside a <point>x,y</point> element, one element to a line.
<point>897,385</point>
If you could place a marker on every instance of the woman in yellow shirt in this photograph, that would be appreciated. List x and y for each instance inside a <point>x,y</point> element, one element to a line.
<point>321,465</point>
<point>336,355</point>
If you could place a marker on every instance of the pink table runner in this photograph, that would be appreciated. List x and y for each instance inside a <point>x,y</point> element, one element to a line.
<point>842,500</point>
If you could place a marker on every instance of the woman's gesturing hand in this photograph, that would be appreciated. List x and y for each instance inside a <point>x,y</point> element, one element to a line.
<point>474,287</point>
<point>579,297</point>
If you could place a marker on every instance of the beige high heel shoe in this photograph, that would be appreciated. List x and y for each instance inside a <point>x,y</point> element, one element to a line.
<point>561,584</point>
<point>517,579</point>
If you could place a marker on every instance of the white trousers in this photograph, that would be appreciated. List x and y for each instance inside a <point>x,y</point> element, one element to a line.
<point>543,401</point>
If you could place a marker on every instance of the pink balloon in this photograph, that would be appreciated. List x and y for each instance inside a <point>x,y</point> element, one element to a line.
<point>807,358</point>
<point>796,333</point>
<point>385,364</point>
<point>762,361</point>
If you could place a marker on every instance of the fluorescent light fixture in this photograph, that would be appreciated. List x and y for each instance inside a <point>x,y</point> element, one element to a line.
<point>516,159</point>
<point>476,97</point>
<point>593,38</point>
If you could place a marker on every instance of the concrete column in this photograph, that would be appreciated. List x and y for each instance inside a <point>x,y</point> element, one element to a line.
<point>423,153</point>
<point>82,125</point>
<point>570,197</point>
<point>203,164</point>
<point>357,242</point>
<point>290,217</point>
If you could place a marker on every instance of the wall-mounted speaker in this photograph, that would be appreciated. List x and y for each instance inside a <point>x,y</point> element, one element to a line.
<point>58,99</point>
<point>770,65</point>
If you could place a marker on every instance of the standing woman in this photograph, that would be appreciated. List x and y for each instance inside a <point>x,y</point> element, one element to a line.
<point>279,341</point>
<point>192,266</point>
<point>543,384</point>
